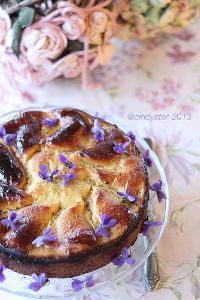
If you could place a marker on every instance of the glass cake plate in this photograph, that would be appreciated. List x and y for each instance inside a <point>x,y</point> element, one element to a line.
<point>61,288</point>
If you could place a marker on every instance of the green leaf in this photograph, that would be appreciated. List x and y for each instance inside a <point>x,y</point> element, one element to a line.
<point>176,293</point>
<point>16,37</point>
<point>25,18</point>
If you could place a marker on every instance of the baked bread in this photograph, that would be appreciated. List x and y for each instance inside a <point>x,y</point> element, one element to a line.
<point>64,141</point>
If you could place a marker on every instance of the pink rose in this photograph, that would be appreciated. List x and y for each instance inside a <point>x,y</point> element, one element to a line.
<point>74,26</point>
<point>42,43</point>
<point>99,21</point>
<point>5,25</point>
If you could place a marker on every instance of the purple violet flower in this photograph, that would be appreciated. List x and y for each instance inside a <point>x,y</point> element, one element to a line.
<point>156,187</point>
<point>106,222</point>
<point>127,196</point>
<point>2,132</point>
<point>78,285</point>
<point>63,159</point>
<point>97,131</point>
<point>147,159</point>
<point>67,177</point>
<point>131,136</point>
<point>8,138</point>
<point>148,224</point>
<point>38,283</point>
<point>46,236</point>
<point>50,122</point>
<point>10,221</point>
<point>120,148</point>
<point>125,257</point>
<point>2,276</point>
<point>45,174</point>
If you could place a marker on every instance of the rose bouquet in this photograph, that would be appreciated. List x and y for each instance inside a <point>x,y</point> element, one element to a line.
<point>42,40</point>
<point>147,18</point>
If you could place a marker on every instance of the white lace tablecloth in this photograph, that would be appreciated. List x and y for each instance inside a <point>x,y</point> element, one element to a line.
<point>155,88</point>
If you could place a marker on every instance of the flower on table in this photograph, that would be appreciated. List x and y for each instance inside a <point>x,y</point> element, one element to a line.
<point>97,131</point>
<point>150,224</point>
<point>106,222</point>
<point>125,257</point>
<point>38,283</point>
<point>126,196</point>
<point>10,222</point>
<point>2,276</point>
<point>78,285</point>
<point>46,237</point>
<point>156,187</point>
<point>43,44</point>
<point>74,26</point>
<point>8,138</point>
<point>45,174</point>
<point>99,21</point>
<point>63,159</point>
<point>68,177</point>
<point>50,122</point>
<point>131,136</point>
<point>121,147</point>
<point>147,159</point>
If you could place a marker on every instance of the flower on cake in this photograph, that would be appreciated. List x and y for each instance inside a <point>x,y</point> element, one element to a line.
<point>131,136</point>
<point>48,122</point>
<point>127,197</point>
<point>7,137</point>
<point>10,222</point>
<point>46,237</point>
<point>45,174</point>
<point>68,177</point>
<point>63,159</point>
<point>120,148</point>
<point>97,131</point>
<point>106,222</point>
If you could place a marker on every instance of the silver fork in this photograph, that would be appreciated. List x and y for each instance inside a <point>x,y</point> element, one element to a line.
<point>151,274</point>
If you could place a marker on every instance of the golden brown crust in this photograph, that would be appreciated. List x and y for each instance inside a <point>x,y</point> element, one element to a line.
<point>73,211</point>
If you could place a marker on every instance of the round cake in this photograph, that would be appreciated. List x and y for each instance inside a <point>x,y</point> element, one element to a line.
<point>73,192</point>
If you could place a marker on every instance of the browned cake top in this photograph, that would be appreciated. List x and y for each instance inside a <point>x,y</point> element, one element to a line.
<point>80,197</point>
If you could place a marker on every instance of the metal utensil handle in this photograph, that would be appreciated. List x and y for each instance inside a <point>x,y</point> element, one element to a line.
<point>151,276</point>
